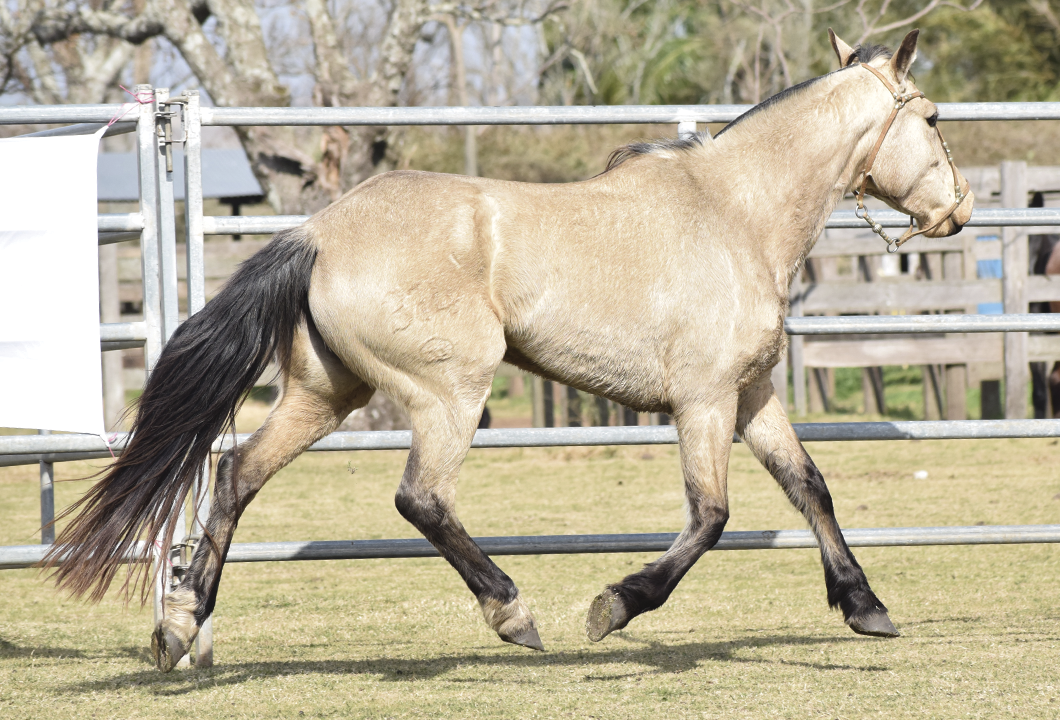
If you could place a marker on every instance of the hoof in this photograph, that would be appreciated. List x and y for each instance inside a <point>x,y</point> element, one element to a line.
<point>877,624</point>
<point>606,614</point>
<point>527,638</point>
<point>167,649</point>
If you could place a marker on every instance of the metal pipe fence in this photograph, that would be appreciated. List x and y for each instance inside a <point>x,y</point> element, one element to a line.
<point>23,556</point>
<point>154,226</point>
<point>988,217</point>
<point>29,449</point>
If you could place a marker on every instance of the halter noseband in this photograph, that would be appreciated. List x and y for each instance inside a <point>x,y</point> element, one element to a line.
<point>899,103</point>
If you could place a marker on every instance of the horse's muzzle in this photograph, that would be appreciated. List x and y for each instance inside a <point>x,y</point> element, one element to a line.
<point>957,220</point>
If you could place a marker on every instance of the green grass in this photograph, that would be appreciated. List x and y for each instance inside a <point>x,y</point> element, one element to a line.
<point>746,635</point>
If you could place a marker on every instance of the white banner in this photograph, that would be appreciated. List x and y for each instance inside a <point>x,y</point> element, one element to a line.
<point>50,375</point>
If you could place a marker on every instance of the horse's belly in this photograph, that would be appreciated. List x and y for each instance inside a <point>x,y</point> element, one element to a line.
<point>598,358</point>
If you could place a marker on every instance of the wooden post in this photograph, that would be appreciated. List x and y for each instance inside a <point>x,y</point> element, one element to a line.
<point>543,410</point>
<point>932,387</point>
<point>559,402</point>
<point>956,376</point>
<point>574,408</point>
<point>821,389</point>
<point>956,389</point>
<point>990,400</point>
<point>872,390</point>
<point>1014,261</point>
<point>603,411</point>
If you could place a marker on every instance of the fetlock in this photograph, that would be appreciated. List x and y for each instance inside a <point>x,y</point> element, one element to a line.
<point>173,637</point>
<point>512,621</point>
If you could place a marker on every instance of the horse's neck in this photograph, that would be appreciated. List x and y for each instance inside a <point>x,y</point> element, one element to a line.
<point>797,159</point>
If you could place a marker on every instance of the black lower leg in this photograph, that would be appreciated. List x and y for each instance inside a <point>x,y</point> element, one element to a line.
<point>649,588</point>
<point>443,530</point>
<point>204,574</point>
<point>848,588</point>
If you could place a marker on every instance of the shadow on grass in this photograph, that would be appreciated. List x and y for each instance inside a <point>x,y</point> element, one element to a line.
<point>662,658</point>
<point>10,650</point>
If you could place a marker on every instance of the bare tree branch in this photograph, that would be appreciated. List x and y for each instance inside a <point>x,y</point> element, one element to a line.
<point>335,82</point>
<point>870,26</point>
<point>485,13</point>
<point>54,24</point>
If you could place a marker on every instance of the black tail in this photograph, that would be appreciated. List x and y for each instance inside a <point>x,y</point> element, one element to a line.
<point>190,399</point>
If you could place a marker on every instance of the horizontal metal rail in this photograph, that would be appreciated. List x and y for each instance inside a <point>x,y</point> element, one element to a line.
<point>28,449</point>
<point>111,238</point>
<point>903,324</point>
<point>118,128</point>
<point>23,556</point>
<point>133,334</point>
<point>569,115</point>
<point>985,217</point>
<point>522,115</point>
<point>120,222</point>
<point>119,336</point>
<point>981,217</point>
<point>56,114</point>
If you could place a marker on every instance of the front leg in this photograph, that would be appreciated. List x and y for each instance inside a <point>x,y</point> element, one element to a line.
<point>764,427</point>
<point>705,432</point>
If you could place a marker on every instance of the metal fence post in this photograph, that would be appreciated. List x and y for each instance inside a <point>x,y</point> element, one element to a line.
<point>158,264</point>
<point>47,500</point>
<point>1014,262</point>
<point>146,145</point>
<point>167,232</point>
<point>147,157</point>
<point>196,281</point>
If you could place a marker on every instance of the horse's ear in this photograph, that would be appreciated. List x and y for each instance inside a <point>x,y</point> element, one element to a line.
<point>842,50</point>
<point>903,59</point>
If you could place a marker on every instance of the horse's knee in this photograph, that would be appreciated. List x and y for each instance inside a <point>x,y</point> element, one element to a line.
<point>225,494</point>
<point>232,489</point>
<point>708,519</point>
<point>419,506</point>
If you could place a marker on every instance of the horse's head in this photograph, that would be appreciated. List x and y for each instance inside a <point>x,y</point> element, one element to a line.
<point>909,166</point>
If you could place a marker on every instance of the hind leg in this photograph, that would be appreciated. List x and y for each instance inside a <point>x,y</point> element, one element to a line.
<point>318,393</point>
<point>443,424</point>
<point>764,426</point>
<point>442,433</point>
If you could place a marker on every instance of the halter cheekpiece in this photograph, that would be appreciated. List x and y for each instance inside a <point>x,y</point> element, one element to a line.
<point>899,102</point>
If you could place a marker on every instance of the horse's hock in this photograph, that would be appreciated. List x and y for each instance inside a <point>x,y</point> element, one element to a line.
<point>944,286</point>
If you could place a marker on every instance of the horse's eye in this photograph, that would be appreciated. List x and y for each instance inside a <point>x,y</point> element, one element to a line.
<point>933,119</point>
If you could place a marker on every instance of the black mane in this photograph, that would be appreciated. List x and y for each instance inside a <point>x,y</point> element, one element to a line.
<point>861,54</point>
<point>868,53</point>
<point>619,156</point>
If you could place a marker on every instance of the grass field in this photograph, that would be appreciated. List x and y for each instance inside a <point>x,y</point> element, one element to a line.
<point>746,635</point>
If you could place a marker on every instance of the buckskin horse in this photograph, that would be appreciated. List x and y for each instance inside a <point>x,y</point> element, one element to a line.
<point>661,283</point>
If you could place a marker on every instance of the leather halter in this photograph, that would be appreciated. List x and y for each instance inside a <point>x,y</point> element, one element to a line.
<point>899,103</point>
